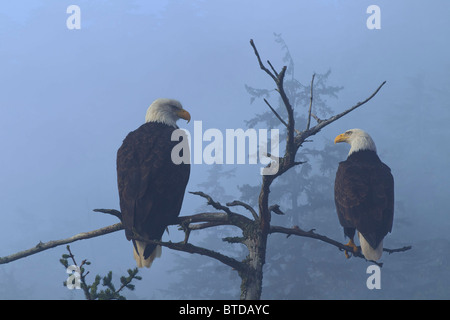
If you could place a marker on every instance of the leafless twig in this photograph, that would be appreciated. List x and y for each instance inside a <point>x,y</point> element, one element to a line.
<point>245,205</point>
<point>276,113</point>
<point>310,102</point>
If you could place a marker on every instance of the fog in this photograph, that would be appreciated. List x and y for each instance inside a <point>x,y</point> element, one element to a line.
<point>69,97</point>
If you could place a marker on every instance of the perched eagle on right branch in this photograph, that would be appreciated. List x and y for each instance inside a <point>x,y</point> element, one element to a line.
<point>364,194</point>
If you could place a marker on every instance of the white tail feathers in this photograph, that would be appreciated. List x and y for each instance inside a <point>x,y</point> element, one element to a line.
<point>139,257</point>
<point>369,252</point>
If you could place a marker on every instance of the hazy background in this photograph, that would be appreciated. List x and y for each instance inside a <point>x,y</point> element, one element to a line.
<point>69,97</point>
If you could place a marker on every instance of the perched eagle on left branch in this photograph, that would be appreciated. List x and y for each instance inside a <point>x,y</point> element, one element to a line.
<point>151,186</point>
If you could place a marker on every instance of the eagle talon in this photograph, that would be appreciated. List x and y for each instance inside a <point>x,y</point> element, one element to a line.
<point>354,248</point>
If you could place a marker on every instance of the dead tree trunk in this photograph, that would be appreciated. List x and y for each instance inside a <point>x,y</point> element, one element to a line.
<point>251,285</point>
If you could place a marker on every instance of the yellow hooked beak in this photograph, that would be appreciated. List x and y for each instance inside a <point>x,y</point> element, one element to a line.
<point>341,138</point>
<point>183,114</point>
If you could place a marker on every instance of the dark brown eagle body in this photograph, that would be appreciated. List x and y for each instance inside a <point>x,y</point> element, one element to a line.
<point>364,196</point>
<point>151,186</point>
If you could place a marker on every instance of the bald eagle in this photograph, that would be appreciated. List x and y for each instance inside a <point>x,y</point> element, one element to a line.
<point>364,194</point>
<point>151,186</point>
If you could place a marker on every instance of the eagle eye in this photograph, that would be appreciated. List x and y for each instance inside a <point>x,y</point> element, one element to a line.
<point>349,132</point>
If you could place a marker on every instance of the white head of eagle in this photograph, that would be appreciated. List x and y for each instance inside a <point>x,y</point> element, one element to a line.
<point>364,194</point>
<point>358,140</point>
<point>166,111</point>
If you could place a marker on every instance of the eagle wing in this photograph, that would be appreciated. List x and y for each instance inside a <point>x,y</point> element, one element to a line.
<point>364,198</point>
<point>151,187</point>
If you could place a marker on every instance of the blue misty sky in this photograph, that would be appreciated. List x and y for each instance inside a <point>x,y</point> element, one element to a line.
<point>69,97</point>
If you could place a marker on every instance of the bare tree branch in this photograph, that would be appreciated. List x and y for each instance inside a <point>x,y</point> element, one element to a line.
<point>279,81</point>
<point>273,69</point>
<point>403,249</point>
<point>261,64</point>
<point>300,138</point>
<point>323,123</point>
<point>209,219</point>
<point>113,212</point>
<point>340,115</point>
<point>276,209</point>
<point>312,234</point>
<point>55,243</point>
<point>316,118</point>
<point>276,113</point>
<point>214,204</point>
<point>290,112</point>
<point>245,205</point>
<point>190,248</point>
<point>212,219</point>
<point>310,102</point>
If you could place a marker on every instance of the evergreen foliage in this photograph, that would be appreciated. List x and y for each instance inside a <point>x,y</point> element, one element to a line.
<point>91,292</point>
